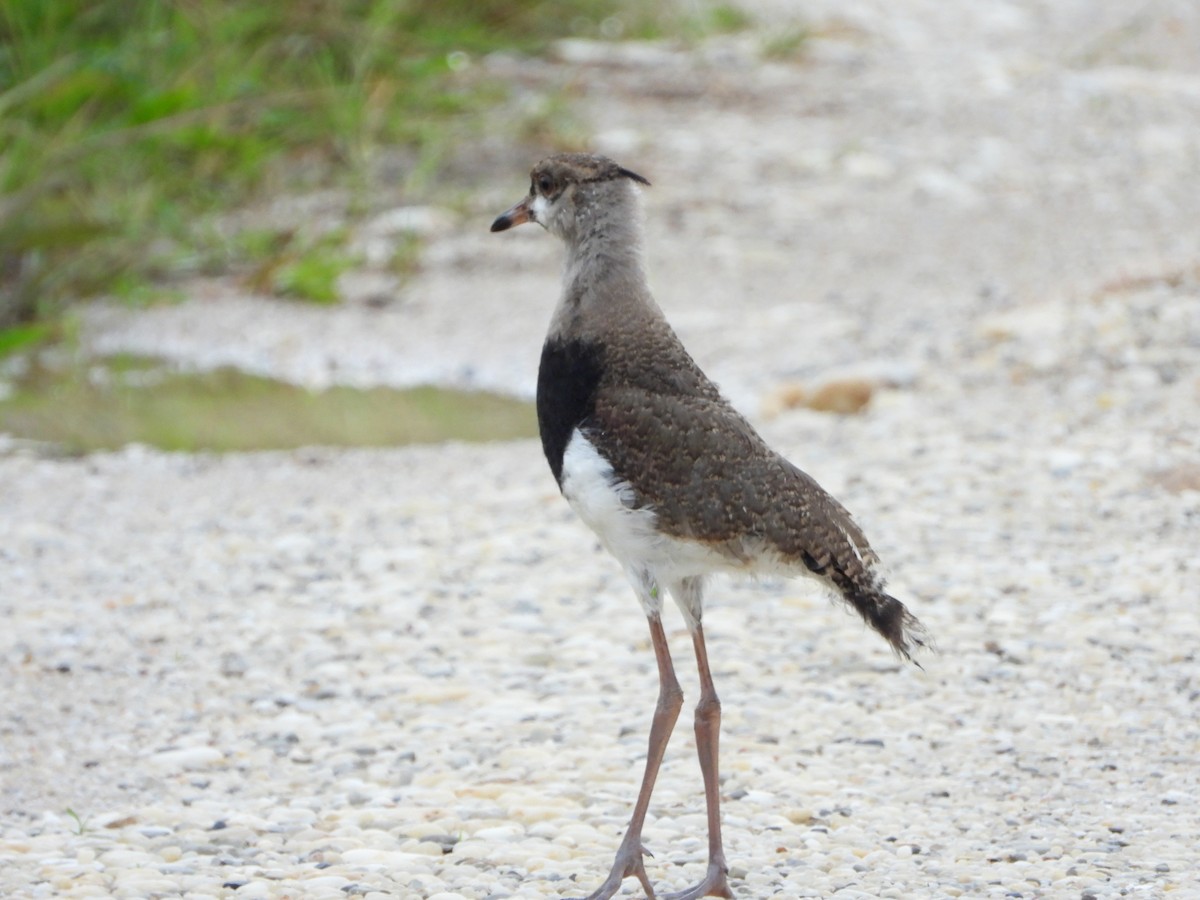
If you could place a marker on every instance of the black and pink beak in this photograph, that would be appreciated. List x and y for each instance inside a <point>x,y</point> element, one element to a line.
<point>518,215</point>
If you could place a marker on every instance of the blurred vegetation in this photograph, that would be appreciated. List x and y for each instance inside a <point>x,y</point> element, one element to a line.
<point>126,126</point>
<point>106,404</point>
<point>786,43</point>
<point>139,141</point>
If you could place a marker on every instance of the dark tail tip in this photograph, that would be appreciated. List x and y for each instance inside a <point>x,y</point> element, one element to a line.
<point>916,638</point>
<point>891,618</point>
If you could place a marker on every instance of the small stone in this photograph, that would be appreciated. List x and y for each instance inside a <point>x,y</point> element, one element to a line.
<point>187,758</point>
<point>500,833</point>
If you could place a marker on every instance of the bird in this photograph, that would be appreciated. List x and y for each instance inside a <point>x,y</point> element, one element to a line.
<point>675,483</point>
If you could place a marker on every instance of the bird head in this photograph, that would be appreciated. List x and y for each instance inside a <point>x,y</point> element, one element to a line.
<point>564,190</point>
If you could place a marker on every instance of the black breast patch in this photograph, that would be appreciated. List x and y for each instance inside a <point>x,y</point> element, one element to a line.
<point>568,377</point>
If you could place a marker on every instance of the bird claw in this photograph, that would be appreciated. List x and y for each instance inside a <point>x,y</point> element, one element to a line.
<point>715,884</point>
<point>628,863</point>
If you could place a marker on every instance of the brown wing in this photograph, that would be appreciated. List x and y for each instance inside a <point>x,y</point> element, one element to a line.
<point>711,478</point>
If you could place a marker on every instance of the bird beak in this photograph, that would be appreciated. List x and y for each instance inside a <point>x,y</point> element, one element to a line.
<point>518,215</point>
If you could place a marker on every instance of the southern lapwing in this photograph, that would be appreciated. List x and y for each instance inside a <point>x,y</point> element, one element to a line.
<point>675,482</point>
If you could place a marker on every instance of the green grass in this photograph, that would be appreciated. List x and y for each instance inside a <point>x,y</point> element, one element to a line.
<point>787,43</point>
<point>123,400</point>
<point>81,822</point>
<point>130,130</point>
<point>725,18</point>
<point>126,127</point>
<point>291,264</point>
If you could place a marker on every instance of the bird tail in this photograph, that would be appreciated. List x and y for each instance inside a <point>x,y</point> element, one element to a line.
<point>889,617</point>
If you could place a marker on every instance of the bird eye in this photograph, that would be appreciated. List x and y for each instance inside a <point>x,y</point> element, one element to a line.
<point>545,184</point>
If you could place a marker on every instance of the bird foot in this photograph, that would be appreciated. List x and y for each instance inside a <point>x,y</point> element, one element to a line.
<point>628,862</point>
<point>715,884</point>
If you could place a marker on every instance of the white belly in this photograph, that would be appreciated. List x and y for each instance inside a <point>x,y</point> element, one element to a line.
<point>607,506</point>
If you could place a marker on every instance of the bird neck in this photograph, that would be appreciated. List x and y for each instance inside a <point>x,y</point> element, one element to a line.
<point>604,236</point>
<point>605,256</point>
<point>603,283</point>
<point>604,280</point>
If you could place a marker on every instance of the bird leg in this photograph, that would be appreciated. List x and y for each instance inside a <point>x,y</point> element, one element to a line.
<point>670,700</point>
<point>708,735</point>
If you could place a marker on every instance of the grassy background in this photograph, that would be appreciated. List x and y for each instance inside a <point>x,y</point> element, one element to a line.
<point>125,127</point>
<point>139,139</point>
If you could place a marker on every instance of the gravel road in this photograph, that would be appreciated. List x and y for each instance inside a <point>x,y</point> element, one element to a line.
<point>411,673</point>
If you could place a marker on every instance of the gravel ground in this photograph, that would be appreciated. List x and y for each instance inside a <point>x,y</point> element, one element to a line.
<point>412,674</point>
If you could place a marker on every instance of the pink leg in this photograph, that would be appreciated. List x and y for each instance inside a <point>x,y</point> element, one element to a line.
<point>670,699</point>
<point>708,735</point>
